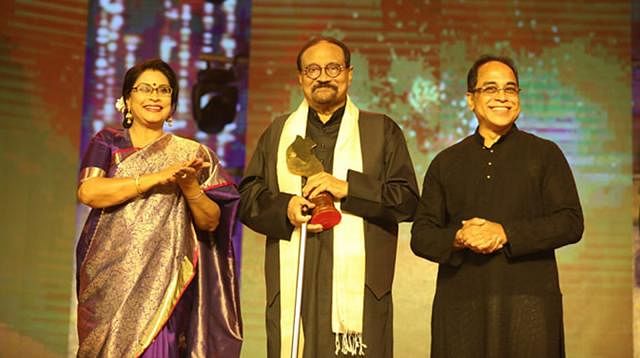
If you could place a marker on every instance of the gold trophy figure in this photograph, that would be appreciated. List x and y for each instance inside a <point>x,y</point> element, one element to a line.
<point>301,161</point>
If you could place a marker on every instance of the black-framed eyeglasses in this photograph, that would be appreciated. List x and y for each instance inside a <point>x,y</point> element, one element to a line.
<point>510,91</point>
<point>313,71</point>
<point>146,89</point>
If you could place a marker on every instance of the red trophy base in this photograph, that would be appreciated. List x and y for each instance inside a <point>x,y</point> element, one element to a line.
<point>325,213</point>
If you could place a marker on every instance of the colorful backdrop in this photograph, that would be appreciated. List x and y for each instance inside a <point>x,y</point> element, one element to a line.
<point>410,60</point>
<point>62,62</point>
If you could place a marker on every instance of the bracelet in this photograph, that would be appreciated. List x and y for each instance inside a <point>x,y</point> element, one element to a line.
<point>197,196</point>
<point>137,178</point>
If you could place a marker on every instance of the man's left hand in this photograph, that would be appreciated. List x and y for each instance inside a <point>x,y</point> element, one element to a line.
<point>324,181</point>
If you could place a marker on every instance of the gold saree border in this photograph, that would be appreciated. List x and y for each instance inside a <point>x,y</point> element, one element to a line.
<point>91,172</point>
<point>179,285</point>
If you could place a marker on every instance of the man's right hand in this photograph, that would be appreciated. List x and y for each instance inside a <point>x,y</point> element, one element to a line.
<point>297,217</point>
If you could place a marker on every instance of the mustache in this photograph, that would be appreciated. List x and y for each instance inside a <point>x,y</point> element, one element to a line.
<point>326,85</point>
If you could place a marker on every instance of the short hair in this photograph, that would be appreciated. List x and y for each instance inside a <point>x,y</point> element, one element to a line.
<point>154,64</point>
<point>332,40</point>
<point>472,75</point>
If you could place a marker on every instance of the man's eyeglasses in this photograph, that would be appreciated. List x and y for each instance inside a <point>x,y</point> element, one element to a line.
<point>313,71</point>
<point>510,91</point>
<point>147,90</point>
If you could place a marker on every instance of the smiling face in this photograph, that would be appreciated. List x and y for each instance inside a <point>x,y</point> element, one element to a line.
<point>325,94</point>
<point>150,110</point>
<point>496,112</point>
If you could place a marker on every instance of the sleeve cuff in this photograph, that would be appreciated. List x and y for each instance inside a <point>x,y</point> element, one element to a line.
<point>362,188</point>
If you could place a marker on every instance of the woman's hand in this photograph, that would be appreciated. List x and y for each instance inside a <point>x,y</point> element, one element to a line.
<point>187,175</point>
<point>206,213</point>
<point>184,174</point>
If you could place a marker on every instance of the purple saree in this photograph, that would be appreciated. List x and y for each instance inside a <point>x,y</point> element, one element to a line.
<point>149,282</point>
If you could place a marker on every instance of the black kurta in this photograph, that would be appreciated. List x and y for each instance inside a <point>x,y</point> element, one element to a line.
<point>505,304</point>
<point>384,194</point>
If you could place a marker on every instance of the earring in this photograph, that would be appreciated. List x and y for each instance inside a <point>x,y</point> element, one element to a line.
<point>128,119</point>
<point>170,121</point>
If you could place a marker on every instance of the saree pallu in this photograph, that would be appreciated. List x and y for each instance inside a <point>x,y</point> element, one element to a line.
<point>138,258</point>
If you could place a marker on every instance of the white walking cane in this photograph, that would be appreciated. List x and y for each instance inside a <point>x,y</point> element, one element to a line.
<point>298,306</point>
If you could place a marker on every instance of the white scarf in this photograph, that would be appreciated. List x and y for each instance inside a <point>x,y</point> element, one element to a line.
<point>348,238</point>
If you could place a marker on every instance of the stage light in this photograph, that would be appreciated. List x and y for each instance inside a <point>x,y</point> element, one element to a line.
<point>215,96</point>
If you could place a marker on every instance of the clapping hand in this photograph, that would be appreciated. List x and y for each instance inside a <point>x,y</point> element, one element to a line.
<point>182,173</point>
<point>187,172</point>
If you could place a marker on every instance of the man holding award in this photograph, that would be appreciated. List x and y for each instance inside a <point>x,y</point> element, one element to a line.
<point>313,167</point>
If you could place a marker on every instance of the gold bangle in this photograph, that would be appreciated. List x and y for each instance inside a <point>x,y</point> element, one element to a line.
<point>137,178</point>
<point>197,196</point>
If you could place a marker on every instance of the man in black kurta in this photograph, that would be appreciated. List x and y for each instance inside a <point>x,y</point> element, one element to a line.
<point>383,193</point>
<point>494,208</point>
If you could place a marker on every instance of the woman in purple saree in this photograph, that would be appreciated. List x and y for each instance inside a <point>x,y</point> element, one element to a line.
<point>156,270</point>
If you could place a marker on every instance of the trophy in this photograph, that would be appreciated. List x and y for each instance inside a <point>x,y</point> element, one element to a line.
<point>301,161</point>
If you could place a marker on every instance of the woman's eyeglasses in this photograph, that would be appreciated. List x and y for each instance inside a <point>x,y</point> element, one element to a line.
<point>147,90</point>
